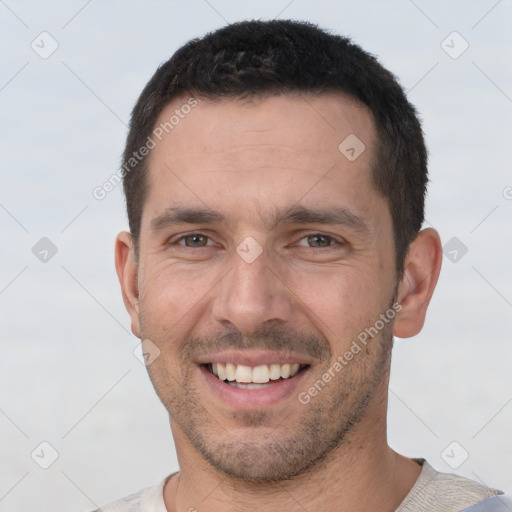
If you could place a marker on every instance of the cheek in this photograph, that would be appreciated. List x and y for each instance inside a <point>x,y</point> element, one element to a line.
<point>174,295</point>
<point>341,301</point>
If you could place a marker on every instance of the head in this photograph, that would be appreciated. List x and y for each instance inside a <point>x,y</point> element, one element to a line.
<point>274,220</point>
<point>257,59</point>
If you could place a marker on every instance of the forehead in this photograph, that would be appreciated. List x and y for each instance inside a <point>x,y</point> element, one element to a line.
<point>274,150</point>
<point>305,121</point>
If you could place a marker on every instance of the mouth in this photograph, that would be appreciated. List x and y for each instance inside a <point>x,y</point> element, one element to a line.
<point>254,377</point>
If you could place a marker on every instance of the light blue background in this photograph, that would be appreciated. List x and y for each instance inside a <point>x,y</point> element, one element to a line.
<point>68,375</point>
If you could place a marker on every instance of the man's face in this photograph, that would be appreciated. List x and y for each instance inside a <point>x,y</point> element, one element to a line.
<point>265,247</point>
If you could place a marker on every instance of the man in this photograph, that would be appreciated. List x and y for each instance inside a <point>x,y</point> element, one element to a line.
<point>275,178</point>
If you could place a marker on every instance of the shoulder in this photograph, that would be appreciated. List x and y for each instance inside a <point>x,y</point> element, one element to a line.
<point>150,499</point>
<point>445,492</point>
<point>130,503</point>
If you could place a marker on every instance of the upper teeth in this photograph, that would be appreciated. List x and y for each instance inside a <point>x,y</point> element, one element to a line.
<point>258,374</point>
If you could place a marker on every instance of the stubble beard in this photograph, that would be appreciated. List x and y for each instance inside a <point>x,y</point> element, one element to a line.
<point>284,451</point>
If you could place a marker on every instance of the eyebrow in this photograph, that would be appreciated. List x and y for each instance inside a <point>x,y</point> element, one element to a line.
<point>294,215</point>
<point>179,215</point>
<point>329,215</point>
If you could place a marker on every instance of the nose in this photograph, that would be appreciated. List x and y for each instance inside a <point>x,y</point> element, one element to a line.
<point>251,296</point>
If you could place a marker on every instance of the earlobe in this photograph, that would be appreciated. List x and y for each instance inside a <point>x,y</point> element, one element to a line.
<point>421,271</point>
<point>127,273</point>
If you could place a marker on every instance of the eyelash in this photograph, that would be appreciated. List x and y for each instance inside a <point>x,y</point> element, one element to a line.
<point>190,235</point>
<point>333,241</point>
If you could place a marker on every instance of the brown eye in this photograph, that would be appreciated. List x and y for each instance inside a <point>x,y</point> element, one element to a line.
<point>194,241</point>
<point>319,240</point>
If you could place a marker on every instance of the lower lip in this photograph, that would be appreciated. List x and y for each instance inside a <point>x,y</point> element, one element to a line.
<point>253,398</point>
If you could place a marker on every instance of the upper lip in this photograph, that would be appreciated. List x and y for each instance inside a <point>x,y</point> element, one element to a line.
<point>254,357</point>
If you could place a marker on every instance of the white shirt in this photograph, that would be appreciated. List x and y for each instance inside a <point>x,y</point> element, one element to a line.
<point>150,499</point>
<point>432,492</point>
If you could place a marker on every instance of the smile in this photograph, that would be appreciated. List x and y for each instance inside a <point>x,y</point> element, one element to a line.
<point>254,377</point>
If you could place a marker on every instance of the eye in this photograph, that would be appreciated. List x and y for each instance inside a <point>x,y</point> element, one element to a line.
<point>194,240</point>
<point>317,240</point>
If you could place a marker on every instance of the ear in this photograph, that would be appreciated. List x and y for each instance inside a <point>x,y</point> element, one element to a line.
<point>127,272</point>
<point>421,271</point>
